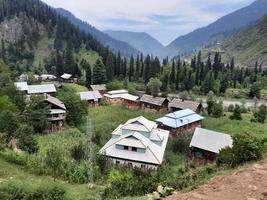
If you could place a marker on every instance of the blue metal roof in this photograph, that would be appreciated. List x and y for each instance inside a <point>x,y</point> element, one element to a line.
<point>179,118</point>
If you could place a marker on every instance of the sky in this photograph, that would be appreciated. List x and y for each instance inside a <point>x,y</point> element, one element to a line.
<point>163,19</point>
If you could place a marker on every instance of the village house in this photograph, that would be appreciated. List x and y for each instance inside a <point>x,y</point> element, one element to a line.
<point>130,101</point>
<point>92,97</point>
<point>68,78</point>
<point>100,88</point>
<point>137,143</point>
<point>114,97</point>
<point>180,104</point>
<point>57,113</point>
<point>206,145</point>
<point>41,89</point>
<point>21,86</point>
<point>180,122</point>
<point>154,104</point>
<point>35,89</point>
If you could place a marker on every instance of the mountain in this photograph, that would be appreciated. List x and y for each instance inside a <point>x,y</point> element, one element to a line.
<point>34,37</point>
<point>224,27</point>
<point>248,46</point>
<point>143,42</point>
<point>114,44</point>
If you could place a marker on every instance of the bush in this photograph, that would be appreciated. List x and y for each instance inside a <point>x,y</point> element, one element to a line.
<point>131,184</point>
<point>14,191</point>
<point>217,110</point>
<point>237,113</point>
<point>103,102</point>
<point>181,144</point>
<point>260,115</point>
<point>245,148</point>
<point>115,85</point>
<point>26,140</point>
<point>231,108</point>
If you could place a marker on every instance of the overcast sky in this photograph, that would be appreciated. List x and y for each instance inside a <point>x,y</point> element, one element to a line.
<point>163,19</point>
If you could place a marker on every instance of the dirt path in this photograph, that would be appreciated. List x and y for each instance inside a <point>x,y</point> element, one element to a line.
<point>246,184</point>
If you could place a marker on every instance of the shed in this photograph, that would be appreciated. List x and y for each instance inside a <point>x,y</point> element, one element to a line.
<point>154,104</point>
<point>92,97</point>
<point>206,144</point>
<point>180,104</point>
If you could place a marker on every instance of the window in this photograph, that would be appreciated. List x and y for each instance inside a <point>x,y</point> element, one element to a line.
<point>134,149</point>
<point>117,162</point>
<point>125,147</point>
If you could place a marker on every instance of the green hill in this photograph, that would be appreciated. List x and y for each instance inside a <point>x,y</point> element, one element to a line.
<point>34,37</point>
<point>247,47</point>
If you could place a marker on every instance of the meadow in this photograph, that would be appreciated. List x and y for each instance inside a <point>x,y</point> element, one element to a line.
<point>32,171</point>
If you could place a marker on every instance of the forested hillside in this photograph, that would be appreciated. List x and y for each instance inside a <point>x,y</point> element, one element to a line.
<point>221,29</point>
<point>35,38</point>
<point>113,44</point>
<point>250,46</point>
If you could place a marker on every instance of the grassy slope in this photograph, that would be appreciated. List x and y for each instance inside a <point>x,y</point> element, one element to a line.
<point>232,127</point>
<point>105,120</point>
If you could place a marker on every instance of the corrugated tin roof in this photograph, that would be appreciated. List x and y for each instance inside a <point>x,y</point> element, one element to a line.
<point>154,153</point>
<point>113,92</point>
<point>55,101</point>
<point>184,104</point>
<point>140,124</point>
<point>57,111</point>
<point>153,100</point>
<point>21,86</point>
<point>210,140</point>
<point>179,118</point>
<point>99,87</point>
<point>41,89</point>
<point>91,95</point>
<point>66,76</point>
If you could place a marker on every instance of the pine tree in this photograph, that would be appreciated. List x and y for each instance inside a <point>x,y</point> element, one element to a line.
<point>172,75</point>
<point>138,66</point>
<point>178,74</point>
<point>147,69</point>
<point>110,67</point>
<point>99,72</point>
<point>131,68</point>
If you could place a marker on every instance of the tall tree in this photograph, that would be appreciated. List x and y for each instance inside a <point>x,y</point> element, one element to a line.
<point>99,72</point>
<point>131,68</point>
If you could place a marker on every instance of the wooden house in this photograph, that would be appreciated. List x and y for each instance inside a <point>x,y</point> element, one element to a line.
<point>180,104</point>
<point>131,101</point>
<point>102,89</point>
<point>137,143</point>
<point>57,113</point>
<point>206,145</point>
<point>154,104</point>
<point>180,122</point>
<point>114,97</point>
<point>92,97</point>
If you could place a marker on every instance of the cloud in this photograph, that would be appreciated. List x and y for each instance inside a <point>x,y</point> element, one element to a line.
<point>165,20</point>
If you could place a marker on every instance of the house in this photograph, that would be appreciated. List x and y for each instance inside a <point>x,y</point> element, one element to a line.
<point>154,104</point>
<point>21,86</point>
<point>57,113</point>
<point>41,89</point>
<point>180,104</point>
<point>130,101</point>
<point>114,97</point>
<point>35,89</point>
<point>92,97</point>
<point>180,122</point>
<point>101,88</point>
<point>206,145</point>
<point>68,78</point>
<point>48,77</point>
<point>137,143</point>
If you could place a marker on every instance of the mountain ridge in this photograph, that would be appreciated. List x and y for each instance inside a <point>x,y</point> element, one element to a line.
<point>240,19</point>
<point>141,41</point>
<point>115,45</point>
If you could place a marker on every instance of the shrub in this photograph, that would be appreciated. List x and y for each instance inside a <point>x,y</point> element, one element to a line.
<point>231,108</point>
<point>217,110</point>
<point>103,102</point>
<point>237,113</point>
<point>245,148</point>
<point>260,115</point>
<point>78,152</point>
<point>181,144</point>
<point>26,140</point>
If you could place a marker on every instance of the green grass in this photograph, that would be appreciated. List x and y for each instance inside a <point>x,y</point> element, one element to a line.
<point>75,87</point>
<point>226,125</point>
